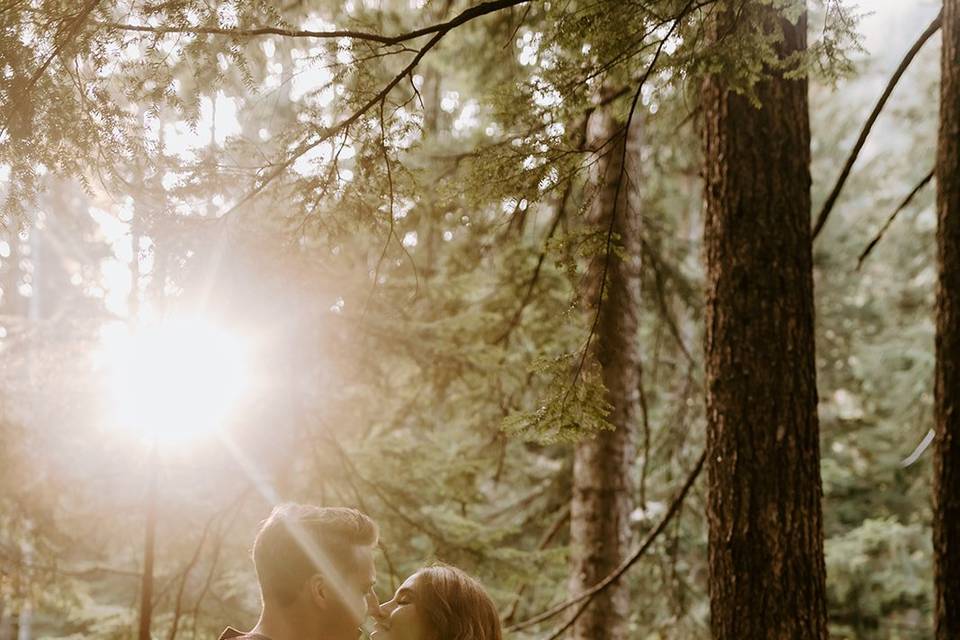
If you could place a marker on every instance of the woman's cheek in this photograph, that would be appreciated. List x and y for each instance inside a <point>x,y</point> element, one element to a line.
<point>404,626</point>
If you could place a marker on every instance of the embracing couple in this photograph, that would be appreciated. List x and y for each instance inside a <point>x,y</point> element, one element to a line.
<point>315,566</point>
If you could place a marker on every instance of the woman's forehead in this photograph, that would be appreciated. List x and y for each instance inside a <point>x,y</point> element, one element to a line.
<point>411,582</point>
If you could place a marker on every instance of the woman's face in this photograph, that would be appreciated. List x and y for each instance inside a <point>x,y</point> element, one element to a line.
<point>402,618</point>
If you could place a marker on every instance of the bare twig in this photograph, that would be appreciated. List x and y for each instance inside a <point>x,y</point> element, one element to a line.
<point>329,132</point>
<point>545,541</point>
<point>645,421</point>
<point>845,172</point>
<point>886,225</point>
<point>617,573</point>
<point>222,527</point>
<point>656,263</point>
<point>513,35</point>
<point>185,574</point>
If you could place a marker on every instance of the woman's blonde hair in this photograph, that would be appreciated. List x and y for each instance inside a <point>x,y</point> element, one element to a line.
<point>455,605</point>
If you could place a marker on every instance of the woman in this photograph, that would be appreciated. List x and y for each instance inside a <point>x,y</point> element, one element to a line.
<point>438,603</point>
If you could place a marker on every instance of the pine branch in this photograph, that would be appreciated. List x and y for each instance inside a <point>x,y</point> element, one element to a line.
<point>441,27</point>
<point>886,225</point>
<point>587,596</point>
<point>23,94</point>
<point>868,125</point>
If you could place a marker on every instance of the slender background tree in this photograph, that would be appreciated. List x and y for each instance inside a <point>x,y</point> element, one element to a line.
<point>603,486</point>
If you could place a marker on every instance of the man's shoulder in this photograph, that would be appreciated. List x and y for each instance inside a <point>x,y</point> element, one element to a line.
<point>230,633</point>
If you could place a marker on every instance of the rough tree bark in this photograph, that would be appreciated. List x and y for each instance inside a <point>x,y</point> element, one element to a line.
<point>767,575</point>
<point>946,517</point>
<point>602,487</point>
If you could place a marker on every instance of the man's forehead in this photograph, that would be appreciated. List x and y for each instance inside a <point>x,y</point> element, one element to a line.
<point>363,557</point>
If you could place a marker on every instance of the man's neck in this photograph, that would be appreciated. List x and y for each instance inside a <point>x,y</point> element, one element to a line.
<point>282,625</point>
<point>279,627</point>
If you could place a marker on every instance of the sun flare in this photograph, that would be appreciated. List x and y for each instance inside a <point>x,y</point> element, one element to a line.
<point>173,380</point>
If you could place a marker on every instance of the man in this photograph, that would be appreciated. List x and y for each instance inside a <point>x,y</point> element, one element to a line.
<point>316,574</point>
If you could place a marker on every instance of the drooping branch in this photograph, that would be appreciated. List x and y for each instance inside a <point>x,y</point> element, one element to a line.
<point>868,125</point>
<point>886,225</point>
<point>590,593</point>
<point>329,132</point>
<point>616,196</point>
<point>22,94</point>
<point>391,231</point>
<point>442,27</point>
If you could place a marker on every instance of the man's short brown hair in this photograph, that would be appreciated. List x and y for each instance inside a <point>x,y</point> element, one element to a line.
<point>296,540</point>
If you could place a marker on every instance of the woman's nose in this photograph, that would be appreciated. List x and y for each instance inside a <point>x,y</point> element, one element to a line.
<point>373,605</point>
<point>384,610</point>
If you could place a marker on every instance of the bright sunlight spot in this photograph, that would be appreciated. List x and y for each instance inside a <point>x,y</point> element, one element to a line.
<point>174,380</point>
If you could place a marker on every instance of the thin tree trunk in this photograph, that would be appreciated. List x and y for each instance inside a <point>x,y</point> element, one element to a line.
<point>767,575</point>
<point>946,517</point>
<point>432,224</point>
<point>602,487</point>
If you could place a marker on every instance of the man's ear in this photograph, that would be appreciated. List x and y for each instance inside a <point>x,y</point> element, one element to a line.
<point>316,590</point>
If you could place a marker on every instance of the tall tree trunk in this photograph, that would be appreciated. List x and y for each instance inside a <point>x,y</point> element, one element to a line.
<point>767,575</point>
<point>602,487</point>
<point>946,517</point>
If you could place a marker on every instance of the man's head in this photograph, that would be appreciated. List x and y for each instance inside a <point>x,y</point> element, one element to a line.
<point>315,564</point>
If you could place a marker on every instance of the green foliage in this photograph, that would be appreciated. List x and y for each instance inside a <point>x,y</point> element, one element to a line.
<point>413,286</point>
<point>878,571</point>
<point>571,409</point>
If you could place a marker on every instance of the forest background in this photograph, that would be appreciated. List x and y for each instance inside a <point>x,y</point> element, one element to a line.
<point>410,289</point>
